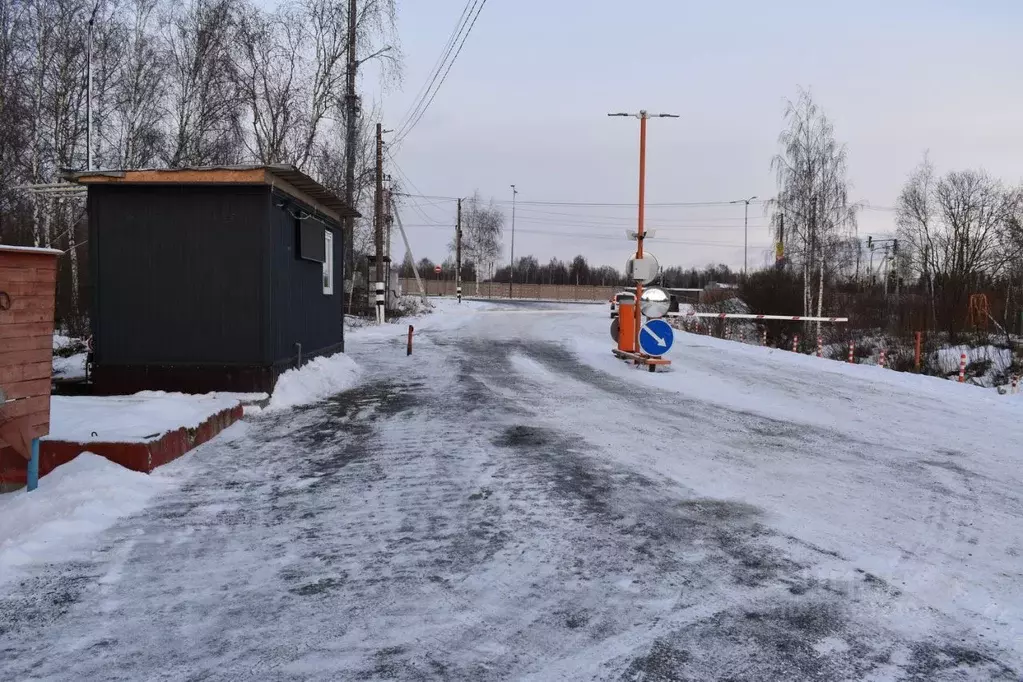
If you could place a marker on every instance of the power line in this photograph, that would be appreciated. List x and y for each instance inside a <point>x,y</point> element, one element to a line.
<point>676,204</point>
<point>409,127</point>
<point>438,65</point>
<point>601,237</point>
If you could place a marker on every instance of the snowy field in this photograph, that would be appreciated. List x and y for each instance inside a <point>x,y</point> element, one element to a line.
<point>511,502</point>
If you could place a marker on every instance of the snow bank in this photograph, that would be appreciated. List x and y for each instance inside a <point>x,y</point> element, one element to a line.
<point>76,500</point>
<point>317,380</point>
<point>71,367</point>
<point>948,358</point>
<point>135,418</point>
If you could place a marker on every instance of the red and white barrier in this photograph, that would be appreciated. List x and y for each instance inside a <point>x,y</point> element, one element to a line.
<point>795,343</point>
<point>744,316</point>
<point>883,359</point>
<point>820,347</point>
<point>852,351</point>
<point>962,368</point>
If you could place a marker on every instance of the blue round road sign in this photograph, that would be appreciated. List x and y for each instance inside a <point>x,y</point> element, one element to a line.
<point>656,337</point>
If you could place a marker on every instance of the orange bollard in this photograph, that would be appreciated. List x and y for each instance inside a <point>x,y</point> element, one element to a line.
<point>627,326</point>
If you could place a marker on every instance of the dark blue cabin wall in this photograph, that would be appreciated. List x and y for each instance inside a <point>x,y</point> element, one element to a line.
<point>178,274</point>
<point>300,312</point>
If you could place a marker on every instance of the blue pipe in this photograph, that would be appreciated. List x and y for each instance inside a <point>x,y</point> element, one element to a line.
<point>33,466</point>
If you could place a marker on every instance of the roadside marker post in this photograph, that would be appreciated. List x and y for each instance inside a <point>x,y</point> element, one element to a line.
<point>852,352</point>
<point>962,368</point>
<point>795,343</point>
<point>820,347</point>
<point>882,360</point>
<point>916,351</point>
<point>763,337</point>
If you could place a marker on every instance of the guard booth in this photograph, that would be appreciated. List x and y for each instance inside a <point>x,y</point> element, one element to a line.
<point>28,279</point>
<point>212,279</point>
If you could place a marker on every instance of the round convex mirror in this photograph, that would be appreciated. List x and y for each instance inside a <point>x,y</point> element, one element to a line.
<point>655,303</point>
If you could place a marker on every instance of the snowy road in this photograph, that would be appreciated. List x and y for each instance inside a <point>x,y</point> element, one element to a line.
<point>512,503</point>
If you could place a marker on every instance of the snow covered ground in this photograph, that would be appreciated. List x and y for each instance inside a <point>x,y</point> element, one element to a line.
<point>511,502</point>
<point>137,418</point>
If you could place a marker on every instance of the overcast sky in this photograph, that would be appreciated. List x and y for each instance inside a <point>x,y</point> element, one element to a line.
<point>526,103</point>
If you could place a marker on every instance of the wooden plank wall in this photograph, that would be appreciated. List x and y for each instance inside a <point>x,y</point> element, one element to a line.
<point>26,336</point>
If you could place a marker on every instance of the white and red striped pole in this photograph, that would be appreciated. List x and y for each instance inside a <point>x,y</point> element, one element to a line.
<point>795,343</point>
<point>881,360</point>
<point>1015,384</point>
<point>962,368</point>
<point>763,337</point>
<point>852,351</point>
<point>820,347</point>
<point>727,332</point>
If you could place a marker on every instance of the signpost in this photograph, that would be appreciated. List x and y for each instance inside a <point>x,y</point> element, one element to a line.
<point>656,338</point>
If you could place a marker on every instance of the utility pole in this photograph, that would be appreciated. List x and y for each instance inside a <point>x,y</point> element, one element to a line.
<point>458,253</point>
<point>745,241</point>
<point>640,233</point>
<point>351,131</point>
<point>511,271</point>
<point>88,95</point>
<point>378,226</point>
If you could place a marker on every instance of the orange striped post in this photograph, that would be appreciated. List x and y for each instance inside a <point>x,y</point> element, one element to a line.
<point>916,351</point>
<point>882,360</point>
<point>852,352</point>
<point>795,343</point>
<point>962,368</point>
<point>820,347</point>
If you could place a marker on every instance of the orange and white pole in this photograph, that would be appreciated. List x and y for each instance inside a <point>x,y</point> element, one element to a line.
<point>820,347</point>
<point>962,368</point>
<point>883,358</point>
<point>639,226</point>
<point>795,343</point>
<point>852,351</point>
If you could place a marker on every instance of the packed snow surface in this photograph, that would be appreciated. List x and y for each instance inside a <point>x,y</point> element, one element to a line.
<point>72,504</point>
<point>512,502</point>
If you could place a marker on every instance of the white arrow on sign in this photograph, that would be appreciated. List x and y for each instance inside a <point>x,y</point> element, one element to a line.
<point>658,339</point>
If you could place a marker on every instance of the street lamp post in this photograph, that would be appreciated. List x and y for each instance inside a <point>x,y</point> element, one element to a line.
<point>88,95</point>
<point>511,271</point>
<point>745,229</point>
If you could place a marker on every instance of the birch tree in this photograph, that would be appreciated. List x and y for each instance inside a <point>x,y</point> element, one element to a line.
<point>813,196</point>
<point>482,227</point>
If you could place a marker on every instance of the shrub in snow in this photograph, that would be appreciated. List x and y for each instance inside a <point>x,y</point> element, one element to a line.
<point>317,380</point>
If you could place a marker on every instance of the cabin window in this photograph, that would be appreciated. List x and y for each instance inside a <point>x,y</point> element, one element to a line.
<point>328,262</point>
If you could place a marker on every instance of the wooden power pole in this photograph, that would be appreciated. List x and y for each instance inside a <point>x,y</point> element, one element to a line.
<point>378,226</point>
<point>351,141</point>
<point>458,253</point>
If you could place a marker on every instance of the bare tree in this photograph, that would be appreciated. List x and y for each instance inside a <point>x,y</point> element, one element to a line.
<point>813,196</point>
<point>135,131</point>
<point>204,102</point>
<point>958,229</point>
<point>482,226</point>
